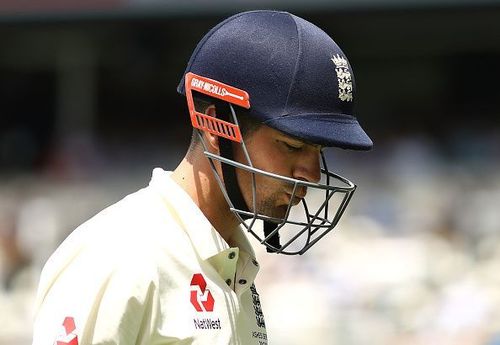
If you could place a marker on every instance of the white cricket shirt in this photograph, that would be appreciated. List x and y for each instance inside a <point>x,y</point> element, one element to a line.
<point>150,269</point>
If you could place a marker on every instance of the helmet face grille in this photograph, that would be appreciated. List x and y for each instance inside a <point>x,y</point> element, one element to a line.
<point>299,227</point>
<point>308,222</point>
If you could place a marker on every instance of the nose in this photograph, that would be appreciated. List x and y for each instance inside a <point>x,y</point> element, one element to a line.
<point>307,167</point>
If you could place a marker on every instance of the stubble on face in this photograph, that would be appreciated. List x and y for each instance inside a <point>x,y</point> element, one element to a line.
<point>268,152</point>
<point>270,196</point>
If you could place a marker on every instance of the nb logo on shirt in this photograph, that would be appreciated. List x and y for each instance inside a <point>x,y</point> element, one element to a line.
<point>201,297</point>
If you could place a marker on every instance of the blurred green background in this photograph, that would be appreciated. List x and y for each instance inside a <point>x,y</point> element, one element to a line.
<point>88,107</point>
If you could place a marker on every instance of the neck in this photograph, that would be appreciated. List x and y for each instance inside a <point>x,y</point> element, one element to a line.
<point>196,177</point>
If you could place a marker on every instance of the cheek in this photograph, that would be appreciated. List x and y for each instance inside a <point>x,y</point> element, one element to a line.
<point>271,160</point>
<point>265,155</point>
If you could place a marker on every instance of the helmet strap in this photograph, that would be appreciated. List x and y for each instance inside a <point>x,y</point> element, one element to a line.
<point>231,182</point>
<point>229,177</point>
<point>229,171</point>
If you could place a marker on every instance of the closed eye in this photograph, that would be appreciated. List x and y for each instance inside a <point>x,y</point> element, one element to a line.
<point>291,148</point>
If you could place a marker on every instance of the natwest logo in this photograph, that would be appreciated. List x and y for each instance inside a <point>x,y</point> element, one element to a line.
<point>201,297</point>
<point>68,335</point>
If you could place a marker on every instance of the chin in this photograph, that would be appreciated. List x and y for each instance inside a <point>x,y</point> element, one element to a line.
<point>275,212</point>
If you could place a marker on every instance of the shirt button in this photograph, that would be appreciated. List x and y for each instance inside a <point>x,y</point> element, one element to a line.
<point>255,262</point>
<point>228,282</point>
<point>242,281</point>
<point>232,255</point>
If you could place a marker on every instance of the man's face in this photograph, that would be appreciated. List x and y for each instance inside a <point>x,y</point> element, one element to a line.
<point>273,151</point>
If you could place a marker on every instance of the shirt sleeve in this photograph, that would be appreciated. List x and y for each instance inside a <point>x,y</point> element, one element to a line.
<point>100,297</point>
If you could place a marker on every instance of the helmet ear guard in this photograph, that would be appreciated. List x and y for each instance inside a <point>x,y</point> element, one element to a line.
<point>316,224</point>
<point>221,91</point>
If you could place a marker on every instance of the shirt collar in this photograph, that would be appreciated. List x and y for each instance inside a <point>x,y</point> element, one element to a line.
<point>203,235</point>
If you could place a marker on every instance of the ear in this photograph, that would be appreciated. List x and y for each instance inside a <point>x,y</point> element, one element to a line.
<point>212,139</point>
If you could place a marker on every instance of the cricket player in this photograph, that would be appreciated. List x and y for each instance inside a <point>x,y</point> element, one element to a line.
<point>267,92</point>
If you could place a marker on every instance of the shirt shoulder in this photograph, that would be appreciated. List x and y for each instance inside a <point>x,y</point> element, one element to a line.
<point>106,274</point>
<point>138,227</point>
<point>138,219</point>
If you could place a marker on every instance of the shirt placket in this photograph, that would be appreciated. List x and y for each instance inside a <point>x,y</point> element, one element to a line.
<point>225,264</point>
<point>247,268</point>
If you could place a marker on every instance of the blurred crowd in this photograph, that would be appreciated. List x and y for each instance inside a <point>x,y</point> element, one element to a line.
<point>415,260</point>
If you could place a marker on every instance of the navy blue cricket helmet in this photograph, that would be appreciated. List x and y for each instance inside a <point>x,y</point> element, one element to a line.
<point>298,79</point>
